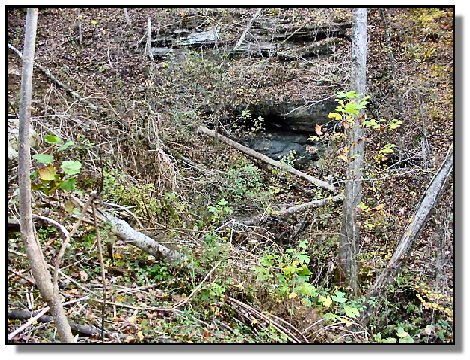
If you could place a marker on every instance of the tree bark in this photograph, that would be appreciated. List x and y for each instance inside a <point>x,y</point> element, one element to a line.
<point>266,159</point>
<point>33,248</point>
<point>353,186</point>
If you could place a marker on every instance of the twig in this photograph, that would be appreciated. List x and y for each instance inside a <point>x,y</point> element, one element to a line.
<point>64,232</point>
<point>312,204</point>
<point>128,18</point>
<point>67,240</point>
<point>103,274</point>
<point>33,319</point>
<point>28,323</point>
<point>197,288</point>
<point>248,27</point>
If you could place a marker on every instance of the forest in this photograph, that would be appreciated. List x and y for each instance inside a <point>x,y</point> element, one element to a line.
<point>230,175</point>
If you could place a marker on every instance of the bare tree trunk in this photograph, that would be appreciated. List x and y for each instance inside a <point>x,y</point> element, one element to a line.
<point>33,248</point>
<point>148,46</point>
<point>353,187</point>
<point>128,18</point>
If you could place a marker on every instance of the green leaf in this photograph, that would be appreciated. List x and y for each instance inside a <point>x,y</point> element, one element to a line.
<point>47,173</point>
<point>45,159</point>
<point>402,333</point>
<point>395,124</point>
<point>362,206</point>
<point>71,167</point>
<point>303,244</point>
<point>66,145</point>
<point>351,108</point>
<point>304,271</point>
<point>339,297</point>
<point>307,289</point>
<point>389,340</point>
<point>303,259</point>
<point>330,316</point>
<point>406,340</point>
<point>387,149</point>
<point>223,202</point>
<point>326,301</point>
<point>68,185</point>
<point>351,94</point>
<point>69,206</point>
<point>440,334</point>
<point>53,139</point>
<point>351,311</point>
<point>335,116</point>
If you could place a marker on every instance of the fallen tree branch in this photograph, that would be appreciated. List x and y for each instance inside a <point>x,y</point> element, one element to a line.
<point>289,211</point>
<point>30,322</point>
<point>56,81</point>
<point>14,224</point>
<point>266,159</point>
<point>142,241</point>
<point>412,231</point>
<point>126,233</point>
<point>87,330</point>
<point>312,204</point>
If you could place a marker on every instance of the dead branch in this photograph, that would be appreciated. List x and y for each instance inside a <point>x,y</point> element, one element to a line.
<point>148,46</point>
<point>248,27</point>
<point>288,211</point>
<point>128,18</point>
<point>88,330</point>
<point>14,225</point>
<point>312,204</point>
<point>412,231</point>
<point>266,159</point>
<point>103,272</point>
<point>126,233</point>
<point>248,312</point>
<point>59,83</point>
<point>142,241</point>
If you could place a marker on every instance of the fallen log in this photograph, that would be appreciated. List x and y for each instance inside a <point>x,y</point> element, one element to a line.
<point>264,158</point>
<point>88,330</point>
<point>84,330</point>
<point>126,233</point>
<point>142,241</point>
<point>414,228</point>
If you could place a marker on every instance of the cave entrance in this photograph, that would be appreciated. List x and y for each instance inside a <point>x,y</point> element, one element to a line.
<point>285,129</point>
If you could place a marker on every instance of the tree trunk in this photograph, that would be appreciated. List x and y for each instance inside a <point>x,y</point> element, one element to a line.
<point>352,192</point>
<point>33,249</point>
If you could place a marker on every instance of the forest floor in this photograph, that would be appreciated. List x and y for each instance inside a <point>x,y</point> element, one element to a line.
<point>250,275</point>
